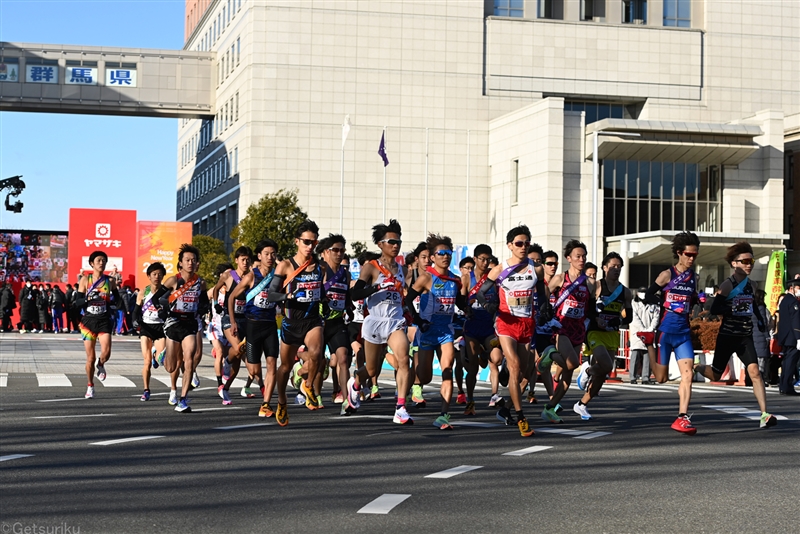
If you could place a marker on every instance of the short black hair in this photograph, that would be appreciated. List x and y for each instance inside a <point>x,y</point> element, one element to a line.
<point>464,261</point>
<point>742,247</point>
<point>243,251</point>
<point>494,260</point>
<point>411,257</point>
<point>221,268</point>
<point>550,254</point>
<point>156,266</point>
<point>335,238</point>
<point>436,240</point>
<point>518,230</point>
<point>589,265</point>
<point>364,257</point>
<point>306,226</point>
<point>380,230</point>
<point>612,256</point>
<point>536,247</point>
<point>571,245</point>
<point>186,247</point>
<point>482,249</point>
<point>265,243</point>
<point>421,247</point>
<point>97,254</point>
<point>683,240</point>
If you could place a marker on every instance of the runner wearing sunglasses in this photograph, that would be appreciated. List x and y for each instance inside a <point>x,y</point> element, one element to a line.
<point>735,304</point>
<point>677,287</point>
<point>516,280</point>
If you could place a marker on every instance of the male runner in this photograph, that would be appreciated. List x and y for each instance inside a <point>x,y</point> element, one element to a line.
<point>150,325</point>
<point>95,293</point>
<point>354,329</point>
<point>545,332</point>
<point>181,299</point>
<point>298,285</point>
<point>261,329</point>
<point>423,261</point>
<point>219,343</point>
<point>233,312</point>
<point>480,342</point>
<point>735,304</point>
<point>574,290</point>
<point>613,309</point>
<point>678,288</point>
<point>516,279</point>
<point>380,284</point>
<point>465,266</point>
<point>435,320</point>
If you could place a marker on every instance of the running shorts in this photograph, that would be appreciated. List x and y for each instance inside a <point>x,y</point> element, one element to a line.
<point>680,344</point>
<point>153,331</point>
<point>609,340</point>
<point>435,336</point>
<point>92,327</point>
<point>262,339</point>
<point>214,332</point>
<point>177,330</point>
<point>354,332</point>
<point>574,329</point>
<point>241,325</point>
<point>727,345</point>
<point>377,330</point>
<point>336,335</point>
<point>293,331</point>
<point>520,329</point>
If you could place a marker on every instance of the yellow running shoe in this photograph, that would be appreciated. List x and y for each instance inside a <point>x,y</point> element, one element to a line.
<point>282,415</point>
<point>311,398</point>
<point>525,430</point>
<point>266,410</point>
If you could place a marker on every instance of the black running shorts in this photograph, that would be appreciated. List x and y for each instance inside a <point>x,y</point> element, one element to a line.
<point>262,339</point>
<point>293,331</point>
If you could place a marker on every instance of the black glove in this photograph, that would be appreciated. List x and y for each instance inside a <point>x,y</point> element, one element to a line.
<point>423,325</point>
<point>136,325</point>
<point>545,313</point>
<point>218,308</point>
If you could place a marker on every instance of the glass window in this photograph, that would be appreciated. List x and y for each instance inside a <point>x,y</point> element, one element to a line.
<point>587,9</point>
<point>634,11</point>
<point>788,169</point>
<point>608,216</point>
<point>617,111</point>
<point>547,9</point>
<point>591,113</point>
<point>508,8</point>
<point>631,217</point>
<point>691,181</point>
<point>619,217</point>
<point>644,179</point>
<point>680,181</point>
<point>679,224</point>
<point>678,13</point>
<point>633,178</point>
<point>238,49</point>
<point>236,160</point>
<point>236,107</point>
<point>644,215</point>
<point>666,182</point>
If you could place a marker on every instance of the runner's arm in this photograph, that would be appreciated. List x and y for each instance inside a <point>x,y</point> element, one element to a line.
<point>627,317</point>
<point>652,296</point>
<point>238,290</point>
<point>722,306</point>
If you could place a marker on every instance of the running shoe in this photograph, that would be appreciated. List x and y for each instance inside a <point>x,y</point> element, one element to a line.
<point>337,398</point>
<point>311,398</point>
<point>346,408</point>
<point>494,400</point>
<point>559,409</point>
<point>584,380</point>
<point>295,377</point>
<point>683,424</point>
<point>546,360</point>
<point>504,415</point>
<point>443,422</point>
<point>550,415</point>
<point>470,409</point>
<point>416,396</point>
<point>226,398</point>
<point>220,389</point>
<point>532,397</point>
<point>155,362</point>
<point>502,375</point>
<point>375,393</point>
<point>797,384</point>
<point>246,393</point>
<point>581,410</point>
<point>145,395</point>
<point>300,399</point>
<point>101,372</point>
<point>768,420</point>
<point>326,369</point>
<point>195,380</point>
<point>524,429</point>
<point>173,397</point>
<point>183,406</point>
<point>319,402</point>
<point>161,356</point>
<point>89,392</point>
<point>226,370</point>
<point>265,410</point>
<point>352,395</point>
<point>461,398</point>
<point>282,415</point>
<point>401,416</point>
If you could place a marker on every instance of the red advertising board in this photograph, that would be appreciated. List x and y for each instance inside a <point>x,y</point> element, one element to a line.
<point>159,241</point>
<point>112,231</point>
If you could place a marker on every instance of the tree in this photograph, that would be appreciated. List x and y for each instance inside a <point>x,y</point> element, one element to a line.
<point>212,253</point>
<point>274,216</point>
<point>358,247</point>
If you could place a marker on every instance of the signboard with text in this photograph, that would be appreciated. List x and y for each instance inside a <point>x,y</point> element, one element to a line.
<point>159,241</point>
<point>80,76</point>
<point>41,74</point>
<point>112,231</point>
<point>121,77</point>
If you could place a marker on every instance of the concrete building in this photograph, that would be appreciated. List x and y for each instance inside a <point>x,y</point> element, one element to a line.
<point>490,110</point>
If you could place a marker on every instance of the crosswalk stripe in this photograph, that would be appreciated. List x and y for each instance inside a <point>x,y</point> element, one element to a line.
<point>528,450</point>
<point>384,503</point>
<point>449,473</point>
<point>3,380</point>
<point>593,435</point>
<point>755,415</point>
<point>53,380</point>
<point>117,381</point>
<point>166,380</point>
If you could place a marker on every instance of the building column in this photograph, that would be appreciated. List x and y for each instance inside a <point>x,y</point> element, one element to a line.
<point>625,273</point>
<point>655,13</point>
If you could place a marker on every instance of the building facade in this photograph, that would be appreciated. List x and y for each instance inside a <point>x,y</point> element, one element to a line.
<point>490,111</point>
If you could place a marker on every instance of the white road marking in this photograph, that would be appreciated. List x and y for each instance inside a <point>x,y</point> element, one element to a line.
<point>117,381</point>
<point>166,380</point>
<point>476,423</point>
<point>449,473</point>
<point>565,431</point>
<point>755,415</point>
<point>3,380</point>
<point>616,387</point>
<point>167,392</point>
<point>63,400</point>
<point>14,457</point>
<point>124,440</point>
<point>593,435</point>
<point>384,503</point>
<point>73,416</point>
<point>53,380</point>
<point>215,409</point>
<point>529,450</point>
<point>237,427</point>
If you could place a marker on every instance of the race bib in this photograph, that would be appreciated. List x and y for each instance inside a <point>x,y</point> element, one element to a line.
<point>187,303</point>
<point>742,305</point>
<point>676,303</point>
<point>573,309</point>
<point>307,292</point>
<point>238,306</point>
<point>336,297</point>
<point>260,301</point>
<point>445,306</point>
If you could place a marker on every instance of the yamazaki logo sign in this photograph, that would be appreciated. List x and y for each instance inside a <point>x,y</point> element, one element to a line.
<point>112,231</point>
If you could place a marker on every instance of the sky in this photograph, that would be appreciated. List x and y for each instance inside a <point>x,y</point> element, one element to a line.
<point>88,161</point>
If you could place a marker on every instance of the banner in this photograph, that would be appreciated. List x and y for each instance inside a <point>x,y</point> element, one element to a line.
<point>776,277</point>
<point>112,231</point>
<point>159,241</point>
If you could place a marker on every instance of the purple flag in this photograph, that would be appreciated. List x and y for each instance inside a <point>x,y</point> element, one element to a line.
<point>382,150</point>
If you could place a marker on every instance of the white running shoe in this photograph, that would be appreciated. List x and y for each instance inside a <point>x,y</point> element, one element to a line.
<point>195,380</point>
<point>494,400</point>
<point>89,392</point>
<point>584,379</point>
<point>352,394</point>
<point>101,372</point>
<point>401,416</point>
<point>300,399</point>
<point>581,410</point>
<point>173,397</point>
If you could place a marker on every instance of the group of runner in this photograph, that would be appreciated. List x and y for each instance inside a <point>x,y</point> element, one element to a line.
<point>521,317</point>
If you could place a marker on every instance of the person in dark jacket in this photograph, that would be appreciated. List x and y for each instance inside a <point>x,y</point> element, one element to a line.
<point>7,305</point>
<point>28,315</point>
<point>789,336</point>
<point>43,306</point>
<point>73,312</point>
<point>57,302</point>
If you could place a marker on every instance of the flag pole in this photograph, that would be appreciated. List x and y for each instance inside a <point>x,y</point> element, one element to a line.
<point>384,178</point>
<point>341,195</point>
<point>426,182</point>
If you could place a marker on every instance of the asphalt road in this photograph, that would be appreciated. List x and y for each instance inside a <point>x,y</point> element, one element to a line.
<point>627,472</point>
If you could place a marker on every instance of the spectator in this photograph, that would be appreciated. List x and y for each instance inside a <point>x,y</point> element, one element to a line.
<point>57,302</point>
<point>27,309</point>
<point>43,306</point>
<point>642,336</point>
<point>761,339</point>
<point>127,305</point>
<point>697,309</point>
<point>7,305</point>
<point>73,312</point>
<point>774,346</point>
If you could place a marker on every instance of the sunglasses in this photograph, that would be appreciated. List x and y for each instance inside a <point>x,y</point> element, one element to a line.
<point>337,250</point>
<point>392,242</point>
<point>746,261</point>
<point>520,244</point>
<point>551,263</point>
<point>690,254</point>
<point>443,253</point>
<point>309,242</point>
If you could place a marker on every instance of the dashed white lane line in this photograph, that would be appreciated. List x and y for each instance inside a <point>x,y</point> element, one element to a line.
<point>528,450</point>
<point>53,380</point>
<point>237,427</point>
<point>64,400</point>
<point>565,431</point>
<point>449,473</point>
<point>593,435</point>
<point>384,504</point>
<point>14,457</point>
<point>215,409</point>
<point>3,380</point>
<point>742,411</point>
<point>117,381</point>
<point>74,416</point>
<point>125,440</point>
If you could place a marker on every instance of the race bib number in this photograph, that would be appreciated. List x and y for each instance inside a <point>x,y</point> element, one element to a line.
<point>574,309</point>
<point>260,301</point>
<point>742,305</point>
<point>238,306</point>
<point>187,303</point>
<point>97,308</point>
<point>445,306</point>
<point>307,292</point>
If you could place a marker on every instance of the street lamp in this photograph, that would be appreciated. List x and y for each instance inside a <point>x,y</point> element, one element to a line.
<point>596,183</point>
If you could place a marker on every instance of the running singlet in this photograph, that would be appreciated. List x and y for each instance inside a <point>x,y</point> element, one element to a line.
<point>238,304</point>
<point>611,312</point>
<point>336,291</point>
<point>574,306</point>
<point>478,313</point>
<point>98,296</point>
<point>149,311</point>
<point>440,305</point>
<point>259,309</point>
<point>307,290</point>
<point>678,303</point>
<point>185,306</point>
<point>387,303</point>
<point>516,292</point>
<point>738,318</point>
